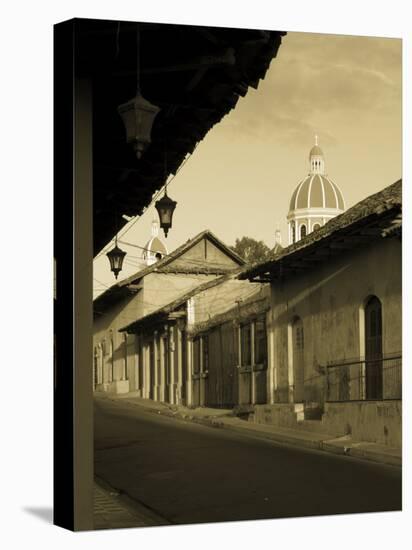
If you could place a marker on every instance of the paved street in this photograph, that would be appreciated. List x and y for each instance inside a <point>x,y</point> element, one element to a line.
<point>188,473</point>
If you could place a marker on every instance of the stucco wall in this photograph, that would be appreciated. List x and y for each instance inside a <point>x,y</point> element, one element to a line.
<point>203,253</point>
<point>221,298</point>
<point>380,422</point>
<point>328,299</point>
<point>158,289</point>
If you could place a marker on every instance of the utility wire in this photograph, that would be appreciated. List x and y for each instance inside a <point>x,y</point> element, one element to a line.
<point>137,218</point>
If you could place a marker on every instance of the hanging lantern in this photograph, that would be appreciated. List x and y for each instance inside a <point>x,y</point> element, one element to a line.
<point>165,208</point>
<point>138,116</point>
<point>116,257</point>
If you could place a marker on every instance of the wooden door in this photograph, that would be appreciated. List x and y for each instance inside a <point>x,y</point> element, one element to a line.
<point>184,367</point>
<point>298,360</point>
<point>229,363</point>
<point>214,360</point>
<point>196,372</point>
<point>373,348</point>
<point>151,370</point>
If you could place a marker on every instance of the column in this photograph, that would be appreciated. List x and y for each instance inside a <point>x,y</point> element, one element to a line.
<point>171,340</point>
<point>83,307</point>
<point>189,356</point>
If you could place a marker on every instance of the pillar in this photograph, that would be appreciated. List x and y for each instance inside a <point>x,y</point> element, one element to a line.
<point>83,308</point>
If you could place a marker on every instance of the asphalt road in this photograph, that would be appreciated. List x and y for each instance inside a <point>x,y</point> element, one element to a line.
<point>188,473</point>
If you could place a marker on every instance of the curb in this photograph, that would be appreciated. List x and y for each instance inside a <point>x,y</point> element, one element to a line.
<point>335,445</point>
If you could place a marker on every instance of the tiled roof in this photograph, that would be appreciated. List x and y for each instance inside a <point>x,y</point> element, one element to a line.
<point>381,211</point>
<point>165,265</point>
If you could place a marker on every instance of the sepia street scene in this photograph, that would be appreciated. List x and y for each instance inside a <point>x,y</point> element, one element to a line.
<point>247,272</point>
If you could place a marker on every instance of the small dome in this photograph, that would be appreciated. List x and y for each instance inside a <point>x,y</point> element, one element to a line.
<point>316,151</point>
<point>317,191</point>
<point>154,246</point>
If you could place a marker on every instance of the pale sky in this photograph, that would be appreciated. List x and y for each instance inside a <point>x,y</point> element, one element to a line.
<point>239,180</point>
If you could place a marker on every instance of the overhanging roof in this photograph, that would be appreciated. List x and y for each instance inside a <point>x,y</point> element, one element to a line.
<point>194,74</point>
<point>377,216</point>
<point>162,313</point>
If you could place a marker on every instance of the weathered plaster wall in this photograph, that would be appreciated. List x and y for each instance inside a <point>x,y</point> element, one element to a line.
<point>221,298</point>
<point>328,299</point>
<point>204,253</point>
<point>380,422</point>
<point>162,288</point>
<point>158,289</point>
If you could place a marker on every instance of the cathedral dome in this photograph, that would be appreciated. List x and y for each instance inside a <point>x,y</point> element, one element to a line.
<point>153,246</point>
<point>154,249</point>
<point>317,191</point>
<point>316,199</point>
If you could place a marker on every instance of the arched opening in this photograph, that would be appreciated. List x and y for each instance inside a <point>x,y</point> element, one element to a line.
<point>302,231</point>
<point>316,226</point>
<point>293,227</point>
<point>373,348</point>
<point>297,356</point>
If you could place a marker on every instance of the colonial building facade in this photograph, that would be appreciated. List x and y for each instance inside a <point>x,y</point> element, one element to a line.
<point>334,328</point>
<point>117,355</point>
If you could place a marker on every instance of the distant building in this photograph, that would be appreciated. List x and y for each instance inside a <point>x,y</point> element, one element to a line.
<point>278,242</point>
<point>316,199</point>
<point>155,249</point>
<point>119,357</point>
<point>207,347</point>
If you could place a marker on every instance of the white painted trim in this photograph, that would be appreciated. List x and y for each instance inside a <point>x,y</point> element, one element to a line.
<point>310,188</point>
<point>323,193</point>
<point>301,212</point>
<point>299,188</point>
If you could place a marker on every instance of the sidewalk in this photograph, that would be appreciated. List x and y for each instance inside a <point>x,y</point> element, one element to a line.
<point>115,511</point>
<point>225,419</point>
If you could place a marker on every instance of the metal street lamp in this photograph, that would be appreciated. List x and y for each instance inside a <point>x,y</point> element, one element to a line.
<point>165,208</point>
<point>116,257</point>
<point>138,114</point>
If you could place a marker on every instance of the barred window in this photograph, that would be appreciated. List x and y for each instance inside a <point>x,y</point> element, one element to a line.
<point>245,345</point>
<point>260,342</point>
<point>196,356</point>
<point>205,353</point>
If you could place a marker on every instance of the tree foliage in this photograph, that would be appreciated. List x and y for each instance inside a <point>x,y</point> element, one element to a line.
<point>251,250</point>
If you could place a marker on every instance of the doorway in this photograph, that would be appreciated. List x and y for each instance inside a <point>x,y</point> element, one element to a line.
<point>373,348</point>
<point>298,346</point>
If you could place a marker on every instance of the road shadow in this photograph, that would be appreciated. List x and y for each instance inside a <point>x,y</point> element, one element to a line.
<point>42,512</point>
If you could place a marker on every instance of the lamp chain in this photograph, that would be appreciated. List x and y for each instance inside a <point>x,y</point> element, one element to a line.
<point>138,58</point>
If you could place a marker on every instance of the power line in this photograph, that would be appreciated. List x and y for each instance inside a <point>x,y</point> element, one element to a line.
<point>137,218</point>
